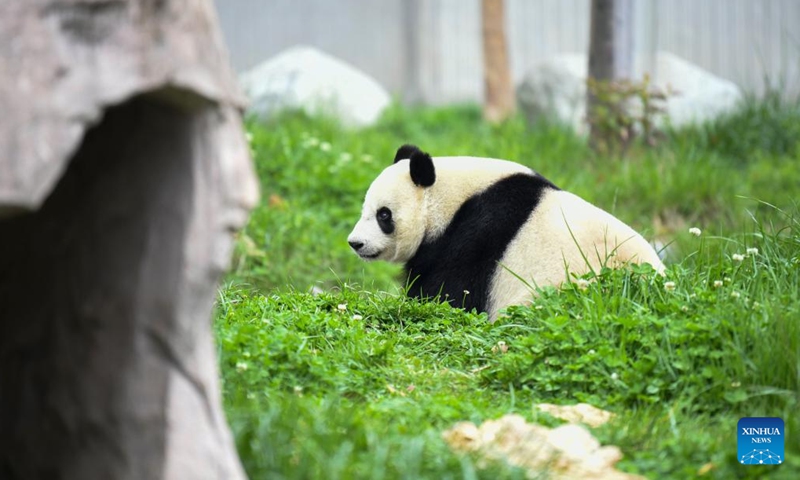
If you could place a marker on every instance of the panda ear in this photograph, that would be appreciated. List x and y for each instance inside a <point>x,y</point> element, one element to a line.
<point>404,152</point>
<point>422,172</point>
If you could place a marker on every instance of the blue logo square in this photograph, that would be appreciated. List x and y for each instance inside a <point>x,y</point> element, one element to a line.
<point>760,440</point>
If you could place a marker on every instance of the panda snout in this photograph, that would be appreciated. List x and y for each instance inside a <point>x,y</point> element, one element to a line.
<point>362,250</point>
<point>355,245</point>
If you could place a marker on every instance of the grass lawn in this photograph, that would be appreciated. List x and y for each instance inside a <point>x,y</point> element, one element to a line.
<point>358,381</point>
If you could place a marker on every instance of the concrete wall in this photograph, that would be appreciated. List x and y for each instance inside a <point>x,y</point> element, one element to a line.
<point>430,50</point>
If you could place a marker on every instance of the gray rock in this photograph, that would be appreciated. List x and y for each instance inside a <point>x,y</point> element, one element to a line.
<point>308,79</point>
<point>123,171</point>
<point>699,96</point>
<point>556,89</point>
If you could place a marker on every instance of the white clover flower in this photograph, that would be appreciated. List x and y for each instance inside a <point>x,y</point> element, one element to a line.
<point>357,317</point>
<point>500,347</point>
<point>345,157</point>
<point>582,283</point>
<point>737,257</point>
<point>727,279</point>
<point>735,294</point>
<point>736,384</point>
<point>756,305</point>
<point>342,307</point>
<point>614,376</point>
<point>669,286</point>
<point>752,251</point>
<point>241,366</point>
<point>695,231</point>
<point>325,146</point>
<point>591,352</point>
<point>684,308</point>
<point>717,283</point>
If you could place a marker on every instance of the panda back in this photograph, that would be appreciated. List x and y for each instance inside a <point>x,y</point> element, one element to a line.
<point>565,233</point>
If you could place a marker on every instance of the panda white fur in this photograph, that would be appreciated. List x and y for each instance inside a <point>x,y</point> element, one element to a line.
<point>469,229</point>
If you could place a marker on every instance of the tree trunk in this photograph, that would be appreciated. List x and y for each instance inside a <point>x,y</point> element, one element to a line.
<point>499,101</point>
<point>610,49</point>
<point>123,171</point>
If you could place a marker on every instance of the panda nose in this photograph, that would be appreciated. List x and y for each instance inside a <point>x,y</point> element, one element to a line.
<point>356,245</point>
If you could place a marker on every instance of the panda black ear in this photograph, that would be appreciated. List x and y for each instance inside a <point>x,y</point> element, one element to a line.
<point>422,172</point>
<point>404,152</point>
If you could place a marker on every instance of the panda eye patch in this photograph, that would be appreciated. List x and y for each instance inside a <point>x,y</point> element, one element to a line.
<point>384,214</point>
<point>384,217</point>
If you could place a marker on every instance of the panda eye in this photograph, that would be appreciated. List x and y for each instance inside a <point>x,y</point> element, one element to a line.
<point>384,214</point>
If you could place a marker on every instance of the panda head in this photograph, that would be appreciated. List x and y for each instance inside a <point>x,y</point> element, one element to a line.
<point>392,224</point>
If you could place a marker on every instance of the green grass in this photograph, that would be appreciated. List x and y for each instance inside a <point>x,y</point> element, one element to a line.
<point>359,382</point>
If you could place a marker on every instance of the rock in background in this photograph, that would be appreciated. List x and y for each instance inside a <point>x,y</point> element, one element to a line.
<point>308,79</point>
<point>556,90</point>
<point>123,172</point>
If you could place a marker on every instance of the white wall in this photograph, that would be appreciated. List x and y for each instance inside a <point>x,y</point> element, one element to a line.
<point>430,50</point>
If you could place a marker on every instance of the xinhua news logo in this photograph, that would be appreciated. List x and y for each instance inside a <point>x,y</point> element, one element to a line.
<point>760,440</point>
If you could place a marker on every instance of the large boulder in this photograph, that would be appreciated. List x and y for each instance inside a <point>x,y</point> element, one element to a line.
<point>124,170</point>
<point>308,79</point>
<point>699,95</point>
<point>556,90</point>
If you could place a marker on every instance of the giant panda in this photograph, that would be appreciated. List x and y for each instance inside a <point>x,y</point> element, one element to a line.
<point>481,233</point>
